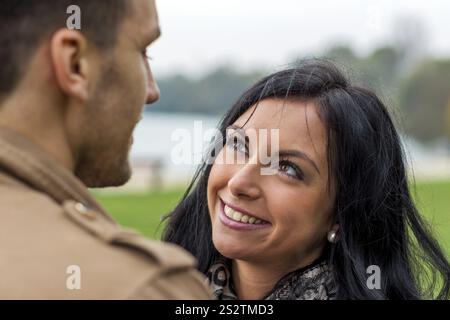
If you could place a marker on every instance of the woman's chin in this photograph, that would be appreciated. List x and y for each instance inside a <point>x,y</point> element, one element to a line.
<point>232,248</point>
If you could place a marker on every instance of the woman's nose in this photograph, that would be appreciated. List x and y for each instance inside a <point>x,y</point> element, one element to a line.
<point>245,182</point>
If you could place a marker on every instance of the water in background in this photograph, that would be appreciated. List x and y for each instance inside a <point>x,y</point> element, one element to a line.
<point>153,165</point>
<point>154,142</point>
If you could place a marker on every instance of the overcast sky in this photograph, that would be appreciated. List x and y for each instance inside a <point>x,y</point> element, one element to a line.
<point>200,34</point>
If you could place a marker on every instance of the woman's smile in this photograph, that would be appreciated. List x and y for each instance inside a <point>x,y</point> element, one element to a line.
<point>239,219</point>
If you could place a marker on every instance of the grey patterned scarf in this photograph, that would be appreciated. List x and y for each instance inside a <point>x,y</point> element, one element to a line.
<point>313,282</point>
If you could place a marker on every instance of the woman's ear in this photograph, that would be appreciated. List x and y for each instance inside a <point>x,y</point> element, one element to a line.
<point>70,63</point>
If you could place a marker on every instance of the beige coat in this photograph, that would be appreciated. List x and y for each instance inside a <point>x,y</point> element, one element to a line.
<point>56,242</point>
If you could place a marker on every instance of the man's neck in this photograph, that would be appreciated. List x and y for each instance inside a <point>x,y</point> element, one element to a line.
<point>41,125</point>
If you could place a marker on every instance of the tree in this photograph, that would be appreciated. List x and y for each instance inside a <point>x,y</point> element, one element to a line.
<point>424,99</point>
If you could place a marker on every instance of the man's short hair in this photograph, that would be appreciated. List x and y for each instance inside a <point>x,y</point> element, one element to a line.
<point>25,23</point>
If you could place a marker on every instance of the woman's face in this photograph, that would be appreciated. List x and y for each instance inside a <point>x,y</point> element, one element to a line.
<point>293,203</point>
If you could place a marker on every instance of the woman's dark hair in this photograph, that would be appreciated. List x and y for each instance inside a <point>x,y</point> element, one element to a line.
<point>378,221</point>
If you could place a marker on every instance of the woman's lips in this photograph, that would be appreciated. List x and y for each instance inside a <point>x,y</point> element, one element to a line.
<point>239,225</point>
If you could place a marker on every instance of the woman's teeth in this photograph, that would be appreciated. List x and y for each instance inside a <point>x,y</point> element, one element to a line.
<point>239,217</point>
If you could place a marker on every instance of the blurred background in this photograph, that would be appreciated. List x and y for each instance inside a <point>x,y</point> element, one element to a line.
<point>211,51</point>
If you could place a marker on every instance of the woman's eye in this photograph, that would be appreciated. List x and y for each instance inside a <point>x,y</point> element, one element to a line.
<point>291,170</point>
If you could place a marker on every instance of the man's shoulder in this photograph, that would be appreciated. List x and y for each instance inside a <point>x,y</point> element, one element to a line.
<point>17,199</point>
<point>115,262</point>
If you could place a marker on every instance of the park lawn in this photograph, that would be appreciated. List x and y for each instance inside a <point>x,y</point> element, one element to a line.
<point>143,211</point>
<point>433,201</point>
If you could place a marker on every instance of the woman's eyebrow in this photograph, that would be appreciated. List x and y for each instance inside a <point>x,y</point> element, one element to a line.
<point>299,154</point>
<point>240,131</point>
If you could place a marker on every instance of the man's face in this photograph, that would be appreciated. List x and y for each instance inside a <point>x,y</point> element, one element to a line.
<point>125,85</point>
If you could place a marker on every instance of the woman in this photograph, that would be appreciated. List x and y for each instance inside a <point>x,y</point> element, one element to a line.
<point>334,221</point>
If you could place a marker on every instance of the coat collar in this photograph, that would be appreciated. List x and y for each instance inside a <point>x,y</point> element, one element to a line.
<point>27,162</point>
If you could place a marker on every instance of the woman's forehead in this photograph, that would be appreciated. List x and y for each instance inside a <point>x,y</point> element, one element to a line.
<point>297,121</point>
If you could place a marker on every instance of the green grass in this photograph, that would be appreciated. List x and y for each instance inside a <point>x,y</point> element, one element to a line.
<point>433,201</point>
<point>143,211</point>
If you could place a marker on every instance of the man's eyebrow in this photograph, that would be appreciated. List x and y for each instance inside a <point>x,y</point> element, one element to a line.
<point>152,35</point>
<point>156,33</point>
<point>299,154</point>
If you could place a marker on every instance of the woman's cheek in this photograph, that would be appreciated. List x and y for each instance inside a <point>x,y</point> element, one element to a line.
<point>294,210</point>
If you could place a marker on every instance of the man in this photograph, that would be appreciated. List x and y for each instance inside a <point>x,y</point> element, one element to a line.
<point>69,101</point>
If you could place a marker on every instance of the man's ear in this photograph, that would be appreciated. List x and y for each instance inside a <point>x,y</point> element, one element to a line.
<point>70,63</point>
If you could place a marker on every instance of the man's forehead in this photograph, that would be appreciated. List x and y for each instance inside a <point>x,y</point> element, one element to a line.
<point>145,18</point>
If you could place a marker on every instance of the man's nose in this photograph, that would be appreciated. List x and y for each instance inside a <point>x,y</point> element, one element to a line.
<point>153,92</point>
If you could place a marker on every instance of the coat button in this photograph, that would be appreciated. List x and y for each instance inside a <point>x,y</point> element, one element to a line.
<point>85,211</point>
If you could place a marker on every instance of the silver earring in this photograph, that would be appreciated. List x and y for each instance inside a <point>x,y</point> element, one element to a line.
<point>331,236</point>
